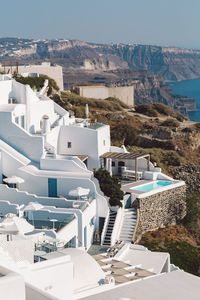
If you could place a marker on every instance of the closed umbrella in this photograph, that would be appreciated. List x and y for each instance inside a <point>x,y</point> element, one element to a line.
<point>87,111</point>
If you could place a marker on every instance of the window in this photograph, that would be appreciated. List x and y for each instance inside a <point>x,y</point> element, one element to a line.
<point>17,120</point>
<point>22,121</point>
<point>113,163</point>
<point>69,144</point>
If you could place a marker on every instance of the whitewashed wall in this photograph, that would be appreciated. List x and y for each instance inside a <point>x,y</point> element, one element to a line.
<point>30,146</point>
<point>84,141</point>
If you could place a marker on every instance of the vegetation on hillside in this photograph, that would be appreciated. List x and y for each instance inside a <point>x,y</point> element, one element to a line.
<point>181,241</point>
<point>192,219</point>
<point>163,158</point>
<point>157,109</point>
<point>77,103</point>
<point>170,123</point>
<point>36,83</point>
<point>110,186</point>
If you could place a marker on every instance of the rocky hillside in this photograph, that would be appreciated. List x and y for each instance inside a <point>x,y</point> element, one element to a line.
<point>171,63</point>
<point>86,63</point>
<point>149,87</point>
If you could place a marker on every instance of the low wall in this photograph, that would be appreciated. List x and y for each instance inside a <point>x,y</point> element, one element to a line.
<point>161,209</point>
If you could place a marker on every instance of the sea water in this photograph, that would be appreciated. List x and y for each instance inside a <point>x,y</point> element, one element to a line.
<point>189,88</point>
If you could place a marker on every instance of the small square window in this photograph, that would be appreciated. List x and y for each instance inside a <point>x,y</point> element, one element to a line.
<point>69,144</point>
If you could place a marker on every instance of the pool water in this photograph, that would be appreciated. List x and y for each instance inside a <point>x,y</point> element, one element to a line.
<point>151,186</point>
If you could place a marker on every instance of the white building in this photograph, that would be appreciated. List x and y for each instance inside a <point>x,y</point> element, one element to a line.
<point>45,68</point>
<point>49,151</point>
<point>123,93</point>
<point>53,156</point>
<point>73,274</point>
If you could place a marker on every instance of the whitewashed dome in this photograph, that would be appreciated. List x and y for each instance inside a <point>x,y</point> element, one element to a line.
<point>87,272</point>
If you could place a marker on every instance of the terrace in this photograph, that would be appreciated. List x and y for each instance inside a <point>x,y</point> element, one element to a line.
<point>52,224</point>
<point>128,166</point>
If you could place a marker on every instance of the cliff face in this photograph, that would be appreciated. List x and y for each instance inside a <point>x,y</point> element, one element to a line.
<point>171,63</point>
<point>87,63</point>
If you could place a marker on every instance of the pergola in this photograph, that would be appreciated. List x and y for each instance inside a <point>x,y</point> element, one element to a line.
<point>128,156</point>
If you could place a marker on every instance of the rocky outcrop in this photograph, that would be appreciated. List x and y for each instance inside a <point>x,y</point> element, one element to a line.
<point>190,173</point>
<point>161,209</point>
<point>170,138</point>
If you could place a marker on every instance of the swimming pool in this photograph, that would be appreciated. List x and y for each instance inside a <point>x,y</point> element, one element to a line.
<point>152,186</point>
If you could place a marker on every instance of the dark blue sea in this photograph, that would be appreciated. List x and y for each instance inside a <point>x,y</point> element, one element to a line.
<point>190,88</point>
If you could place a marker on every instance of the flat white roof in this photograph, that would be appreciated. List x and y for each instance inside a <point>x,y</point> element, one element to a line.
<point>176,285</point>
<point>147,259</point>
<point>8,107</point>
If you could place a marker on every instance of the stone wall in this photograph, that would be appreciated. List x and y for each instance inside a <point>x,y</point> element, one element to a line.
<point>160,209</point>
<point>190,173</point>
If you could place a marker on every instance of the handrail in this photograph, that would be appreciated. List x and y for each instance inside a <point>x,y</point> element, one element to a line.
<point>136,225</point>
<point>105,227</point>
<point>116,227</point>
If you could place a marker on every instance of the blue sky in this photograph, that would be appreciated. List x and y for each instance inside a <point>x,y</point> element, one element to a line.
<point>158,22</point>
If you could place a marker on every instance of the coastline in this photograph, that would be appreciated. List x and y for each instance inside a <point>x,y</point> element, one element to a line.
<point>188,88</point>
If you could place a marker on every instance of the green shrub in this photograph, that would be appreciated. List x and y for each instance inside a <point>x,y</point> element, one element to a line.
<point>171,158</point>
<point>184,255</point>
<point>168,111</point>
<point>125,133</point>
<point>163,158</point>
<point>156,109</point>
<point>193,213</point>
<point>110,104</point>
<point>146,109</point>
<point>37,82</point>
<point>170,123</point>
<point>110,186</point>
<point>163,109</point>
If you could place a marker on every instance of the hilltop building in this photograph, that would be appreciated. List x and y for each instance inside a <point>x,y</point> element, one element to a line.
<point>123,93</point>
<point>46,68</point>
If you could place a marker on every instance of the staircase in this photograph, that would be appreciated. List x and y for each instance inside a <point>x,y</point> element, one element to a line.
<point>57,118</point>
<point>128,226</point>
<point>109,229</point>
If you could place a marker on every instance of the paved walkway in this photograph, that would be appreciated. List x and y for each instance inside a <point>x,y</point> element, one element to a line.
<point>96,249</point>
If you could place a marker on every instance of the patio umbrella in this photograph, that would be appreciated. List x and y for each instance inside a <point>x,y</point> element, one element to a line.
<point>13,225</point>
<point>14,180</point>
<point>33,206</point>
<point>79,191</point>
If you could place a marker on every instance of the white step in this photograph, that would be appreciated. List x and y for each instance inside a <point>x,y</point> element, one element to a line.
<point>128,226</point>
